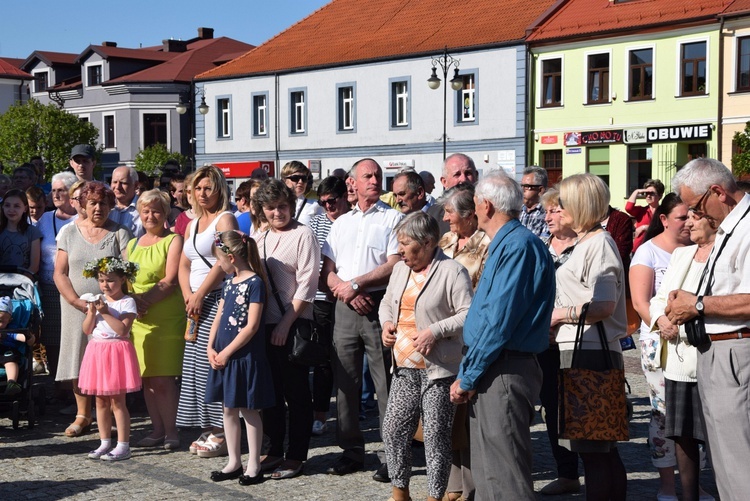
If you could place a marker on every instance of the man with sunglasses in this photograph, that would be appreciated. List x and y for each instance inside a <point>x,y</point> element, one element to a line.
<point>722,301</point>
<point>533,185</point>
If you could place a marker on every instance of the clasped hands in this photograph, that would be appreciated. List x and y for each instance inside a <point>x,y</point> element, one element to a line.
<point>360,301</point>
<point>423,341</point>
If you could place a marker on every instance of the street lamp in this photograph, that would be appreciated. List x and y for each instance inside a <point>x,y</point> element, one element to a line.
<point>445,62</point>
<point>182,108</point>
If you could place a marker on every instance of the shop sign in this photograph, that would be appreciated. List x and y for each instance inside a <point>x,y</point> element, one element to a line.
<point>679,133</point>
<point>398,164</point>
<point>602,137</point>
<point>549,139</point>
<point>244,169</point>
<point>573,151</point>
<point>635,136</point>
<point>572,138</point>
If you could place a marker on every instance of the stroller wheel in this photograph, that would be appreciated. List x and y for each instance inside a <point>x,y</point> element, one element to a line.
<point>16,413</point>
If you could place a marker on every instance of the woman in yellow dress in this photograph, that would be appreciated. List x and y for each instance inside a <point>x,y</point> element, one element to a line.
<point>158,331</point>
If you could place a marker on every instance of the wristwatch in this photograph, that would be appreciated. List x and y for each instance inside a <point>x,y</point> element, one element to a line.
<point>355,285</point>
<point>699,306</point>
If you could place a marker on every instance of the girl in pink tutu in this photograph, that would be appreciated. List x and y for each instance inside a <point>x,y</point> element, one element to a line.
<point>109,368</point>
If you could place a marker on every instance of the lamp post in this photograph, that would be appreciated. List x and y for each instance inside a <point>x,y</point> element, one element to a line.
<point>445,62</point>
<point>183,107</point>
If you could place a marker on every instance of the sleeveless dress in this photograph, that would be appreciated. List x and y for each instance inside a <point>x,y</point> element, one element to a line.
<point>158,335</point>
<point>81,251</point>
<point>110,366</point>
<point>192,411</point>
<point>246,380</point>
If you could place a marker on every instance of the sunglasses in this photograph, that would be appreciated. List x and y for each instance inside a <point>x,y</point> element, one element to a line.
<point>531,186</point>
<point>296,179</point>
<point>331,202</point>
<point>650,194</point>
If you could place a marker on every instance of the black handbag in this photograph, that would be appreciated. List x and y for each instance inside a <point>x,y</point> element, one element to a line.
<point>309,344</point>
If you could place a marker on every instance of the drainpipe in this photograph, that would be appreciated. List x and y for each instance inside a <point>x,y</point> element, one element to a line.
<point>529,106</point>
<point>719,116</point>
<point>276,113</point>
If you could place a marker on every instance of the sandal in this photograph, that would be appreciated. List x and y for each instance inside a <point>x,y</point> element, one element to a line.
<point>213,447</point>
<point>288,469</point>
<point>198,443</point>
<point>75,430</point>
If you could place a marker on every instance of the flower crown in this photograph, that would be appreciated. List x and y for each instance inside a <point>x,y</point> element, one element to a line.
<point>108,265</point>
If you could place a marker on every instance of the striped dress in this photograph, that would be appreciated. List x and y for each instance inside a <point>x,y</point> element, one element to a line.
<point>191,409</point>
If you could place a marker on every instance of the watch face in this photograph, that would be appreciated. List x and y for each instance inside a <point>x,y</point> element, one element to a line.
<point>699,306</point>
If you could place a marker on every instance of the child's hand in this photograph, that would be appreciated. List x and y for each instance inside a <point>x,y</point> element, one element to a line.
<point>101,306</point>
<point>90,308</point>
<point>221,360</point>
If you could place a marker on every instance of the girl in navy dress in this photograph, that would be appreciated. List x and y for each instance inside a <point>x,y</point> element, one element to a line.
<point>240,376</point>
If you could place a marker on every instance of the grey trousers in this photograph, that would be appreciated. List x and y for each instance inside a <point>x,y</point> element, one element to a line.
<point>500,419</point>
<point>724,385</point>
<point>353,337</point>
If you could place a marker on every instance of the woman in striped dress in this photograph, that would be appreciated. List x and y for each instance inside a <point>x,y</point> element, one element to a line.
<point>201,284</point>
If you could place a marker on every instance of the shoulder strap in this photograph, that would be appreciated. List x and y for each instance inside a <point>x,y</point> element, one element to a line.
<point>195,246</point>
<point>578,344</point>
<point>299,211</point>
<point>270,277</point>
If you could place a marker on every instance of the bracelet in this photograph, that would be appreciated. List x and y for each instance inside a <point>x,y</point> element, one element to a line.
<point>574,315</point>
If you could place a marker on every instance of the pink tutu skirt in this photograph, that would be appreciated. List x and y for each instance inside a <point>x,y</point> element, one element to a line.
<point>109,367</point>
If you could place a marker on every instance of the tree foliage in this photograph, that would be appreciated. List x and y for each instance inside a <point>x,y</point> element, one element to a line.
<point>33,129</point>
<point>741,159</point>
<point>154,157</point>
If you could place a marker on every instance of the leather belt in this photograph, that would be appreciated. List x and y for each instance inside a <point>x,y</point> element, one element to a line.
<point>741,334</point>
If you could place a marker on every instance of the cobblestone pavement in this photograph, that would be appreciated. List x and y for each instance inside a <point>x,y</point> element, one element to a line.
<point>43,464</point>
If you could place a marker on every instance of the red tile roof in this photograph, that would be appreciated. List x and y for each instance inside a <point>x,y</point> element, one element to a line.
<point>738,7</point>
<point>11,68</point>
<point>124,53</point>
<point>183,66</point>
<point>583,18</point>
<point>349,31</point>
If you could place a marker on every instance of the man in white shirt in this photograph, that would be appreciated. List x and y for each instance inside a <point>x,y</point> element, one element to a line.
<point>359,254</point>
<point>124,181</point>
<point>723,303</point>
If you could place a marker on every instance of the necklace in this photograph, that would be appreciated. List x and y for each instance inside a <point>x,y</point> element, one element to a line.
<point>581,237</point>
<point>90,235</point>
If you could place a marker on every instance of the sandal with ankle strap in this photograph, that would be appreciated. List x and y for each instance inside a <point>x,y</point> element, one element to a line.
<point>75,430</point>
<point>212,447</point>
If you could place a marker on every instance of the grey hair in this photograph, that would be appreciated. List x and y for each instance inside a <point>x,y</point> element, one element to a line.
<point>540,174</point>
<point>66,178</point>
<point>700,174</point>
<point>353,170</point>
<point>420,227</point>
<point>503,192</point>
<point>132,173</point>
<point>465,158</point>
<point>461,199</point>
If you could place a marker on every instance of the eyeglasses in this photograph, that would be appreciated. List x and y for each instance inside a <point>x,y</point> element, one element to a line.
<point>560,204</point>
<point>650,194</point>
<point>237,199</point>
<point>331,202</point>
<point>696,210</point>
<point>77,199</point>
<point>531,186</point>
<point>296,179</point>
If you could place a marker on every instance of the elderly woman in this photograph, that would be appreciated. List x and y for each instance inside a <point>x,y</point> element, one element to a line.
<point>292,259</point>
<point>468,245</point>
<point>422,314</point>
<point>560,243</point>
<point>201,281</point>
<point>684,415</point>
<point>158,331</point>
<point>592,274</point>
<point>652,191</point>
<point>296,176</point>
<point>92,238</point>
<point>50,225</point>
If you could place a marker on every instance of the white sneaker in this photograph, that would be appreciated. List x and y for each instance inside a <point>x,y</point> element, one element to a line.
<point>319,427</point>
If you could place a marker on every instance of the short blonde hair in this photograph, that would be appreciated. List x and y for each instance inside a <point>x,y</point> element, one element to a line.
<point>290,168</point>
<point>161,198</point>
<point>218,182</point>
<point>76,186</point>
<point>586,199</point>
<point>551,197</point>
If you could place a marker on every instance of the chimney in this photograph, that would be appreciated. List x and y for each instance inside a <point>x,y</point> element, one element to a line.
<point>205,33</point>
<point>109,44</point>
<point>174,45</point>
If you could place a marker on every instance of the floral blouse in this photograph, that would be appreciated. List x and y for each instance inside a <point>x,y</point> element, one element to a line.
<point>472,255</point>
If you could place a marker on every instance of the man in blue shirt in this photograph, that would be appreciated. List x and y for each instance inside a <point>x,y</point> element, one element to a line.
<point>507,324</point>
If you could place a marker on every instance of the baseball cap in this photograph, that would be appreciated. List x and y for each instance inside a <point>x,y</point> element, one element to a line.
<point>85,150</point>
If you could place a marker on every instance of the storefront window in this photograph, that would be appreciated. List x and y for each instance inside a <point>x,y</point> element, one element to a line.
<point>639,166</point>
<point>597,162</point>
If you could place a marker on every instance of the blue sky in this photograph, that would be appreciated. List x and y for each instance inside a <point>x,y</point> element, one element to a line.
<point>72,25</point>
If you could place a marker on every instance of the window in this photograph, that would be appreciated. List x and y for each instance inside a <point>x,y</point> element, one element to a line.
<point>94,75</point>
<point>400,104</point>
<point>260,114</point>
<point>345,103</point>
<point>697,150</point>
<point>743,64</point>
<point>298,112</point>
<point>693,69</point>
<point>224,119</point>
<point>598,79</point>
<point>467,99</point>
<point>552,82</point>
<point>109,132</point>
<point>154,129</point>
<point>641,63</point>
<point>41,81</point>
<point>552,161</point>
<point>597,162</point>
<point>639,166</point>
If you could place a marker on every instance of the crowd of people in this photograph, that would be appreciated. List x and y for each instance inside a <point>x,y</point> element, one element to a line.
<point>460,310</point>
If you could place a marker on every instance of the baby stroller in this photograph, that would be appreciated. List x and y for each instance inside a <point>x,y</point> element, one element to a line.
<point>19,284</point>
